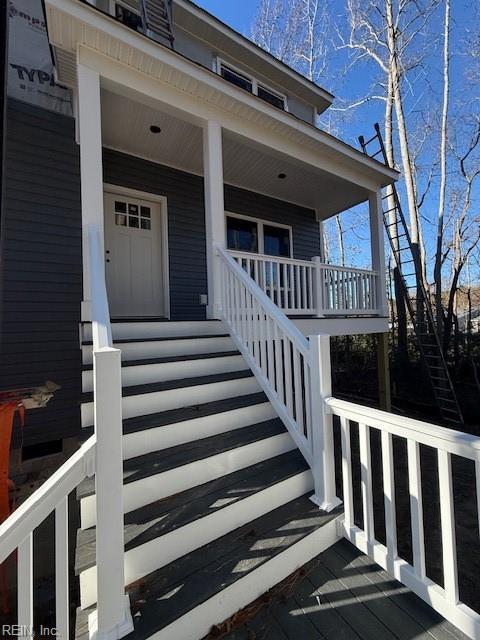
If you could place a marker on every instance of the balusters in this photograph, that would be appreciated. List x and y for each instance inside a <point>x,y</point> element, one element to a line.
<point>347,472</point>
<point>366,481</point>
<point>416,507</point>
<point>61,570</point>
<point>25,585</point>
<point>389,498</point>
<point>298,390</point>
<point>447,518</point>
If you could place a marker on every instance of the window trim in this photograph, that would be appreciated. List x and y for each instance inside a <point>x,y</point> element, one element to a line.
<point>261,239</point>
<point>220,62</point>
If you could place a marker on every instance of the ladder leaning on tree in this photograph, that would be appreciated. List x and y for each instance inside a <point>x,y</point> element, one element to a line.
<point>416,300</point>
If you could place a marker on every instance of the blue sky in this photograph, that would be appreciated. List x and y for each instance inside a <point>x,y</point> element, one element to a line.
<point>238,15</point>
<point>357,83</point>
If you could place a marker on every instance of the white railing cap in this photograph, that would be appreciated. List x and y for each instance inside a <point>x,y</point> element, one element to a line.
<point>430,434</point>
<point>267,258</point>
<point>280,318</point>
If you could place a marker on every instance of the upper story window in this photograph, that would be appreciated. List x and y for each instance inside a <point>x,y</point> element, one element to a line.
<point>126,15</point>
<point>252,86</point>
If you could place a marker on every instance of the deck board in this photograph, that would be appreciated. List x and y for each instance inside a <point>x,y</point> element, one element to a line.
<point>346,596</point>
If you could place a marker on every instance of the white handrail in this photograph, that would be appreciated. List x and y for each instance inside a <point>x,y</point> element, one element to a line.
<point>270,258</point>
<point>294,372</point>
<point>113,619</point>
<point>38,506</point>
<point>310,287</point>
<point>277,352</point>
<point>446,442</point>
<point>16,533</point>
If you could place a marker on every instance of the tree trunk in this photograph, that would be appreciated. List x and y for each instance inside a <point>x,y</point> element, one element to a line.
<point>443,175</point>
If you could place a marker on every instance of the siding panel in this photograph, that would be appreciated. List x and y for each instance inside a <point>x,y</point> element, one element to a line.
<point>186,222</point>
<point>42,267</point>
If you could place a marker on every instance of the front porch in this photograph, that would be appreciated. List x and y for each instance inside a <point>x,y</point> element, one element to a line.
<point>160,227</point>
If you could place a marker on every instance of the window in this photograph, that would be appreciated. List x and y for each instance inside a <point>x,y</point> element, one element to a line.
<point>276,241</point>
<point>258,236</point>
<point>128,17</point>
<point>236,78</point>
<point>242,234</point>
<point>273,98</point>
<point>251,85</point>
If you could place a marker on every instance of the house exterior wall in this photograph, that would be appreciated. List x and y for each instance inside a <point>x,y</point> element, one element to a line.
<point>199,51</point>
<point>186,222</point>
<point>41,269</point>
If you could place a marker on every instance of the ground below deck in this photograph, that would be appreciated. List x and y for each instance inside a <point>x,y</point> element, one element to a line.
<point>344,596</point>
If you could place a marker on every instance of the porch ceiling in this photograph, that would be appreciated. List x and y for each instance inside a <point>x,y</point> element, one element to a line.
<point>126,127</point>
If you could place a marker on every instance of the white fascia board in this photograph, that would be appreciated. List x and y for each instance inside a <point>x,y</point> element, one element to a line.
<point>355,166</point>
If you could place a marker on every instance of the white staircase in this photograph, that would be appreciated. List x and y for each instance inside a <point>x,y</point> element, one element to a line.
<point>216,492</point>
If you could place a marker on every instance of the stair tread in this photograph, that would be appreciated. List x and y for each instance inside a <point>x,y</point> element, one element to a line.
<point>163,418</point>
<point>166,515</point>
<point>183,358</point>
<point>163,338</point>
<point>168,593</point>
<point>156,462</point>
<point>167,385</point>
<point>171,592</point>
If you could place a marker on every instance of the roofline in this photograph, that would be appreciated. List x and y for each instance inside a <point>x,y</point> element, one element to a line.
<point>287,118</point>
<point>255,48</point>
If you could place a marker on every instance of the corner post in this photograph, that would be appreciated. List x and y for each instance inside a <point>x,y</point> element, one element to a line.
<point>112,619</point>
<point>91,172</point>
<point>378,250</point>
<point>322,424</point>
<point>214,211</point>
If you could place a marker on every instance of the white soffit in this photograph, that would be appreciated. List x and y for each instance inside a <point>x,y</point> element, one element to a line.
<point>126,127</point>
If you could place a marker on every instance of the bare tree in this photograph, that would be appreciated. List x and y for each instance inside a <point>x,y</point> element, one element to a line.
<point>437,273</point>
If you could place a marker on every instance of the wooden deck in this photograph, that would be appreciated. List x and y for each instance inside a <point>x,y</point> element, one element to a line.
<point>345,596</point>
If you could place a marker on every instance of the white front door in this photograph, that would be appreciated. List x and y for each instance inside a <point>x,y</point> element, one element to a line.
<point>133,253</point>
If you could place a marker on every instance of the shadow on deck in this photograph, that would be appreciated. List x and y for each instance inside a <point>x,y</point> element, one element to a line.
<point>340,595</point>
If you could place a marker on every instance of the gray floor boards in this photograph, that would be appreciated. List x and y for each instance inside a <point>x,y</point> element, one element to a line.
<point>346,596</point>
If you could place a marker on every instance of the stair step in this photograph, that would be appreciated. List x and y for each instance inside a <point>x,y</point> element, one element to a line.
<point>154,420</point>
<point>157,462</point>
<point>159,474</point>
<point>204,587</point>
<point>167,385</point>
<point>148,348</point>
<point>167,359</point>
<point>163,516</point>
<point>173,394</point>
<point>175,368</point>
<point>171,428</point>
<point>125,328</point>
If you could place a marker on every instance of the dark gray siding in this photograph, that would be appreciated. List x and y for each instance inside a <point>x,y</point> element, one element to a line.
<point>186,225</point>
<point>305,229</point>
<point>186,222</point>
<point>42,266</point>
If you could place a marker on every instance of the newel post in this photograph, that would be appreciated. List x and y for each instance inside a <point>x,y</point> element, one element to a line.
<point>112,619</point>
<point>322,424</point>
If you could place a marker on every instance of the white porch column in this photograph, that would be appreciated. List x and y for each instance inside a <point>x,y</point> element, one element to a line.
<point>378,249</point>
<point>214,210</point>
<point>91,172</point>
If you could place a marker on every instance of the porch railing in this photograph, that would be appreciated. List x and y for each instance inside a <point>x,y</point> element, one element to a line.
<point>112,619</point>
<point>309,287</point>
<point>16,534</point>
<point>287,365</point>
<point>413,436</point>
